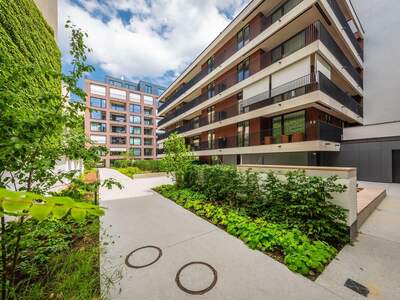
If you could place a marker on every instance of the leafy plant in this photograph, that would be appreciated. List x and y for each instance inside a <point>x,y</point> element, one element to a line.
<point>178,157</point>
<point>301,254</point>
<point>129,171</point>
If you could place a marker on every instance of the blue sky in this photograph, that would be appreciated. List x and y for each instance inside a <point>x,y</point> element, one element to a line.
<point>152,40</point>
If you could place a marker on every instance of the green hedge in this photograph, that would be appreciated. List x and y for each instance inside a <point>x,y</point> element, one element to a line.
<point>144,165</point>
<point>26,39</point>
<point>299,253</point>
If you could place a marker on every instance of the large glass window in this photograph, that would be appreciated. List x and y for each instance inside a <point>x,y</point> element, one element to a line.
<point>148,141</point>
<point>97,102</point>
<point>117,140</point>
<point>211,139</point>
<point>241,109</point>
<point>136,151</point>
<point>135,141</point>
<point>118,118</point>
<point>211,90</point>
<point>135,130</point>
<point>210,64</point>
<point>243,37</point>
<point>243,69</point>
<point>134,119</point>
<point>148,131</point>
<point>211,114</point>
<point>98,139</point>
<point>118,106</point>
<point>295,43</point>
<point>134,108</point>
<point>148,111</point>
<point>97,115</point>
<point>118,94</point>
<point>294,123</point>
<point>277,129</point>
<point>98,127</point>
<point>148,152</point>
<point>148,121</point>
<point>118,129</point>
<point>243,134</point>
<point>284,9</point>
<point>148,89</point>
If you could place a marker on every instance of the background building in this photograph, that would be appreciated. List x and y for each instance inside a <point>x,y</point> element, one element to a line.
<point>277,86</point>
<point>122,117</point>
<point>375,148</point>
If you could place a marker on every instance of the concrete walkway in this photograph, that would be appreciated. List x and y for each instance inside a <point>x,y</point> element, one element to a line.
<point>374,259</point>
<point>138,217</point>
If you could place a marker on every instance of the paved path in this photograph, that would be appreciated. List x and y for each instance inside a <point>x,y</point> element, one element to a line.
<point>374,260</point>
<point>138,217</point>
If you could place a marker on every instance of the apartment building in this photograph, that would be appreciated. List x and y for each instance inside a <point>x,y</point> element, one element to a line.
<point>122,117</point>
<point>277,86</point>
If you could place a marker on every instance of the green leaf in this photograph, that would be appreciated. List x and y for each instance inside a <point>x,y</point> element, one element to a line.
<point>40,211</point>
<point>60,211</point>
<point>15,205</point>
<point>78,214</point>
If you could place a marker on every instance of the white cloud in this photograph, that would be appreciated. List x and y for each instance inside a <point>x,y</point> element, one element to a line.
<point>162,35</point>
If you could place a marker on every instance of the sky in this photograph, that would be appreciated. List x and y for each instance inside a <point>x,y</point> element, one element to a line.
<point>153,40</point>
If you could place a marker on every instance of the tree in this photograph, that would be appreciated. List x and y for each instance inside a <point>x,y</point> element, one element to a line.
<point>177,157</point>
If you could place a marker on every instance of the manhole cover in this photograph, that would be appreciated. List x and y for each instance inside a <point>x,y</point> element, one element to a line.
<point>143,257</point>
<point>357,287</point>
<point>196,278</point>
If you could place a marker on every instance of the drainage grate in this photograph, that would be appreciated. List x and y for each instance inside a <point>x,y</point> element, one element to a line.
<point>146,265</point>
<point>357,287</point>
<point>198,292</point>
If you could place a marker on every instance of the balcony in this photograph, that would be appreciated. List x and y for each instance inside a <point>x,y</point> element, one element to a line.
<point>230,49</point>
<point>318,130</point>
<point>339,15</point>
<point>304,85</point>
<point>118,129</point>
<point>311,34</point>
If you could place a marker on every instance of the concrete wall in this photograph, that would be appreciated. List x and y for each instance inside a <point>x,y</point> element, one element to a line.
<point>372,158</point>
<point>381,22</point>
<point>49,9</point>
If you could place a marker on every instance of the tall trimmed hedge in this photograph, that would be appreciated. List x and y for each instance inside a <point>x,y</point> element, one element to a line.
<point>26,39</point>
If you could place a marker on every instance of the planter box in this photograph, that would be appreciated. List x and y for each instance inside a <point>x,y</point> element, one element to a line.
<point>268,140</point>
<point>284,139</point>
<point>297,137</point>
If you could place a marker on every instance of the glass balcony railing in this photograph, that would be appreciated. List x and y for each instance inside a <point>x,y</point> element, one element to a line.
<point>231,48</point>
<point>287,91</point>
<point>305,37</point>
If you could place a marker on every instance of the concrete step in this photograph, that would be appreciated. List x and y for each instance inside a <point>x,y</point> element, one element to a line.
<point>368,199</point>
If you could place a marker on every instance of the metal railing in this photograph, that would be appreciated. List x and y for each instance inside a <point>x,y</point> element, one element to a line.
<point>219,58</point>
<point>312,33</point>
<point>346,27</point>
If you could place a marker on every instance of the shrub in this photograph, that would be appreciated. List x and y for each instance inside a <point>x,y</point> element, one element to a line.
<point>295,199</point>
<point>129,171</point>
<point>300,253</point>
<point>149,165</point>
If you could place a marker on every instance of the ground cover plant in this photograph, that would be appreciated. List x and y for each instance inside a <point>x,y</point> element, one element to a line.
<point>289,245</point>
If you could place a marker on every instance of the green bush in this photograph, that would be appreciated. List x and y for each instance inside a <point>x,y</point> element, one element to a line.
<point>301,254</point>
<point>129,171</point>
<point>144,165</point>
<point>296,199</point>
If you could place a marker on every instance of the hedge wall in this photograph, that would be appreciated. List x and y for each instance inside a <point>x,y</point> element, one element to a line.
<point>26,38</point>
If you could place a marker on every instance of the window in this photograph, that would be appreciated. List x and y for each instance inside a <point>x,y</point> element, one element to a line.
<point>243,134</point>
<point>135,130</point>
<point>118,129</point>
<point>135,141</point>
<point>284,9</point>
<point>148,89</point>
<point>148,111</point>
<point>211,114</point>
<point>148,152</point>
<point>134,97</point>
<point>98,127</point>
<point>97,115</point>
<point>295,43</point>
<point>243,69</point>
<point>118,106</point>
<point>243,37</point>
<point>136,152</point>
<point>97,102</point>
<point>277,129</point>
<point>135,119</point>
<point>210,64</point>
<point>160,91</point>
<point>98,139</point>
<point>294,123</point>
<point>195,143</point>
<point>134,108</point>
<point>148,131</point>
<point>148,141</point>
<point>98,89</point>
<point>118,118</point>
<point>211,90</point>
<point>196,122</point>
<point>211,139</point>
<point>148,121</point>
<point>241,109</point>
<point>117,140</point>
<point>118,94</point>
<point>148,100</point>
